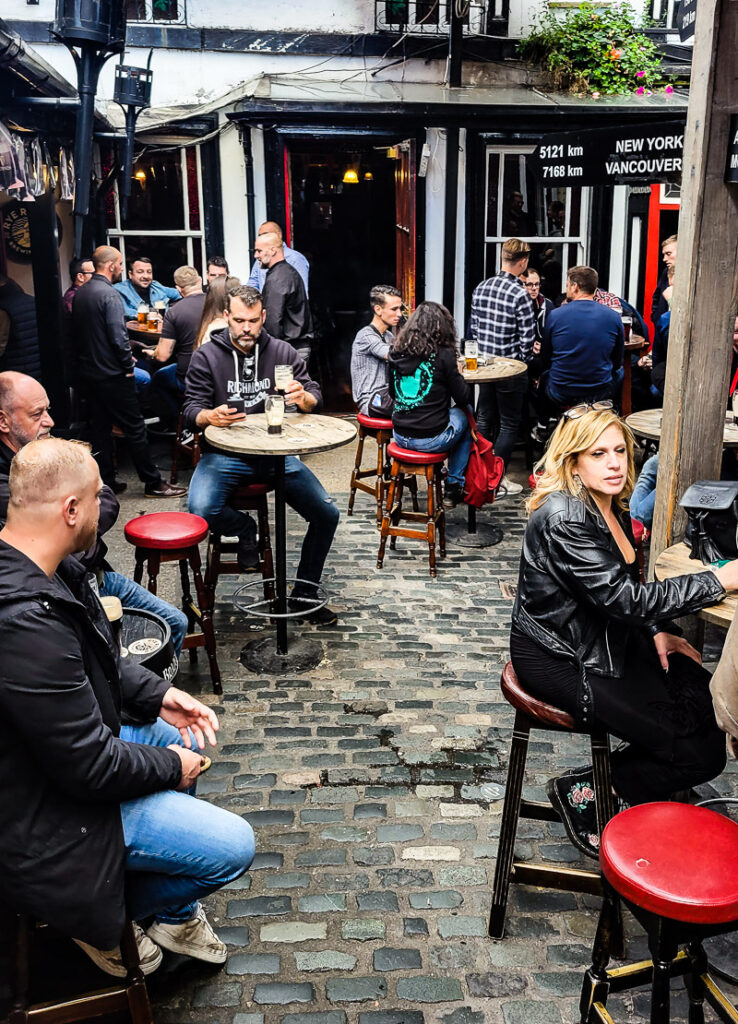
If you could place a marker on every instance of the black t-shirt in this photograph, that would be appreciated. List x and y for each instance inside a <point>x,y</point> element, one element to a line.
<point>181,323</point>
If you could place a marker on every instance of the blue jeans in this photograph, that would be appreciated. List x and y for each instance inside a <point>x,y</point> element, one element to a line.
<point>178,848</point>
<point>643,498</point>
<point>133,595</point>
<point>165,387</point>
<point>141,378</point>
<point>455,439</point>
<point>217,476</point>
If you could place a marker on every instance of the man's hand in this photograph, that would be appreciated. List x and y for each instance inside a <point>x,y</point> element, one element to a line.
<point>667,643</point>
<point>191,764</point>
<point>223,416</point>
<point>183,711</point>
<point>295,394</point>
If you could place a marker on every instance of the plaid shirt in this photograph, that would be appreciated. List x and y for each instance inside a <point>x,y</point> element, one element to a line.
<point>608,299</point>
<point>502,319</point>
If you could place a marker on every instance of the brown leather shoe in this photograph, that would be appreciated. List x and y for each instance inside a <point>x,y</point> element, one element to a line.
<point>165,490</point>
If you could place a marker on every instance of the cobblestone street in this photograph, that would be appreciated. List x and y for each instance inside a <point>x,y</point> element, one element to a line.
<point>374,784</point>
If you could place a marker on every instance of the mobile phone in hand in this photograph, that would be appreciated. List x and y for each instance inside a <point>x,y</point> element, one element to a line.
<point>236,405</point>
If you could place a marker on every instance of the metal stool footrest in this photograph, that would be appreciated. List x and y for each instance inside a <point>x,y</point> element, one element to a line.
<point>257,608</point>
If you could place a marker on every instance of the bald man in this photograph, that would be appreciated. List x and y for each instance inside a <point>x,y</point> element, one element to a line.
<point>106,369</point>
<point>284,297</point>
<point>96,826</point>
<point>293,257</point>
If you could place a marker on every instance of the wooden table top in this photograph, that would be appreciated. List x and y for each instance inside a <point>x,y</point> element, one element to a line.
<point>498,369</point>
<point>647,423</point>
<point>675,561</point>
<point>137,333</point>
<point>635,344</point>
<point>302,433</point>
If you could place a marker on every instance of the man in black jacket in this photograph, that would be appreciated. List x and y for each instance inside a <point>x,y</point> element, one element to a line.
<point>24,417</point>
<point>106,369</point>
<point>95,828</point>
<point>285,301</point>
<point>238,363</point>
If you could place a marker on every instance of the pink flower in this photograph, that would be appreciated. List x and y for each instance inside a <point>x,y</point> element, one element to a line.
<point>640,74</point>
<point>587,793</point>
<point>576,796</point>
<point>595,95</point>
<point>640,91</point>
<point>669,90</point>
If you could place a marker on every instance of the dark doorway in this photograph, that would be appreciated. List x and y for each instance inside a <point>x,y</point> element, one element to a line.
<point>343,220</point>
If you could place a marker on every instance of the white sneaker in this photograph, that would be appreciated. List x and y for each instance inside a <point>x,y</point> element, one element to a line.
<point>111,961</point>
<point>191,938</point>
<point>508,487</point>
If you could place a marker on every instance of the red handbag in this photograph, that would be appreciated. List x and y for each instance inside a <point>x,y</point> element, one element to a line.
<point>485,469</point>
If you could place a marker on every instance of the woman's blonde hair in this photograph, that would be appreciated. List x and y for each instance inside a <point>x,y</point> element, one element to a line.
<point>556,471</point>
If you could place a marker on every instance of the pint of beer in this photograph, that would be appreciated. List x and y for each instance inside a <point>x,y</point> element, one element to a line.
<point>471,354</point>
<point>142,313</point>
<point>152,320</point>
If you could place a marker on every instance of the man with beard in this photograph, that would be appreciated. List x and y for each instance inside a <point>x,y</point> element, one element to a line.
<point>96,827</point>
<point>106,369</point>
<point>238,363</point>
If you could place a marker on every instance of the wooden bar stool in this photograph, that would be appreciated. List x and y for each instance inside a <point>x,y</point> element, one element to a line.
<point>531,713</point>
<point>381,431</point>
<point>161,537</point>
<point>674,867</point>
<point>129,994</point>
<point>221,557</point>
<point>414,464</point>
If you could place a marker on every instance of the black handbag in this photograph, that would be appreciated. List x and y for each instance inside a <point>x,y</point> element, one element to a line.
<point>712,519</point>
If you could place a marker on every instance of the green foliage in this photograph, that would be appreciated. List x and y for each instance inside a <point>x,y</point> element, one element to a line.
<point>594,50</point>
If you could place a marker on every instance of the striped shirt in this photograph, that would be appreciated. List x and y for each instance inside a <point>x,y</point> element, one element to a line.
<point>502,319</point>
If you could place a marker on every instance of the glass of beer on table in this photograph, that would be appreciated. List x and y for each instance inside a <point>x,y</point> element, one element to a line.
<point>141,313</point>
<point>471,354</point>
<point>152,320</point>
<point>274,412</point>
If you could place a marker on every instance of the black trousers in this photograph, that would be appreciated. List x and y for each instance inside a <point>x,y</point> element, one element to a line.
<point>110,401</point>
<point>505,399</point>
<point>667,719</point>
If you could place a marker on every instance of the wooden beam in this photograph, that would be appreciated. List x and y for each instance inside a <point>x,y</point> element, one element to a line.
<point>705,287</point>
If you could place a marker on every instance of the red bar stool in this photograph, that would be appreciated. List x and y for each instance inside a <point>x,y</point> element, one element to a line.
<point>414,464</point>
<point>531,713</point>
<point>674,867</point>
<point>161,537</point>
<point>129,994</point>
<point>221,558</point>
<point>381,431</point>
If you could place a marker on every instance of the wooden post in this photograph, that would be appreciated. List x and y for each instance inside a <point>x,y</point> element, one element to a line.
<point>706,280</point>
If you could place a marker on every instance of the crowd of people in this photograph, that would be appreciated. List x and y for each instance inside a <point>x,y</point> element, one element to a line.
<point>99,757</point>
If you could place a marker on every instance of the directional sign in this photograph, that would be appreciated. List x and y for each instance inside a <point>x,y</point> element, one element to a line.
<point>612,156</point>
<point>685,19</point>
<point>731,166</point>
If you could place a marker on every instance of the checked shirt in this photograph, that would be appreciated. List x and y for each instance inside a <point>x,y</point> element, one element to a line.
<point>502,318</point>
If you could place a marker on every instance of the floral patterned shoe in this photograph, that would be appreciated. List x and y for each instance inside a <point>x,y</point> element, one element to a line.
<point>573,798</point>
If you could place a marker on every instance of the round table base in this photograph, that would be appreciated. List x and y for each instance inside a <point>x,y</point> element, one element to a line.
<point>484,537</point>
<point>722,953</point>
<point>261,656</point>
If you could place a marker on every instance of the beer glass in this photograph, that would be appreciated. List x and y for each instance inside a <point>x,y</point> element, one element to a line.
<point>471,354</point>
<point>627,327</point>
<point>283,376</point>
<point>141,313</point>
<point>152,320</point>
<point>274,411</point>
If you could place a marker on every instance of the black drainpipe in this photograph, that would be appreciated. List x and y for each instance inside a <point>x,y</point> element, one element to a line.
<point>455,38</point>
<point>248,159</point>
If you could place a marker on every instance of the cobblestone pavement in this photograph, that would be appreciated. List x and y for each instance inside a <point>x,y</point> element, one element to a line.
<point>374,784</point>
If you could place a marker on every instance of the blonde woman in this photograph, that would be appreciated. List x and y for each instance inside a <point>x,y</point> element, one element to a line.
<point>590,638</point>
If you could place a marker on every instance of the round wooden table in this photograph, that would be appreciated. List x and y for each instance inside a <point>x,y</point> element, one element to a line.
<point>498,368</point>
<point>648,424</point>
<point>302,434</point>
<point>140,336</point>
<point>675,561</point>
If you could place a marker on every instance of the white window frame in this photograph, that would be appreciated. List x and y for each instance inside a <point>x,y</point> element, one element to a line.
<point>580,240</point>
<point>194,237</point>
<point>149,18</point>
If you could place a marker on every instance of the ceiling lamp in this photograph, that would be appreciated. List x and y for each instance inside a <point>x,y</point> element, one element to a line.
<point>368,176</point>
<point>350,176</point>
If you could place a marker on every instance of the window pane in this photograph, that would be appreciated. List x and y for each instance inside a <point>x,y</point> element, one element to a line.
<point>165,10</point>
<point>396,12</point>
<point>156,193</point>
<point>493,171</point>
<point>518,220</point>
<point>136,10</point>
<point>193,196</point>
<point>426,12</point>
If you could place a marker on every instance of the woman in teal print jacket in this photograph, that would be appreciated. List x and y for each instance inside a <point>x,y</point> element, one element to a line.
<point>425,377</point>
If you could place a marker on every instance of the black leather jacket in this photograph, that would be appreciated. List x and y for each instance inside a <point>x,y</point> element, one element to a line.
<point>579,598</point>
